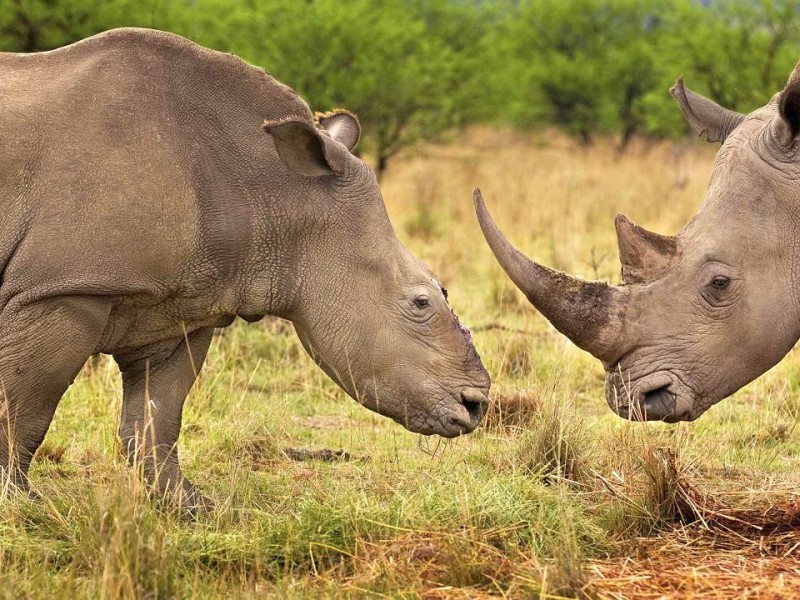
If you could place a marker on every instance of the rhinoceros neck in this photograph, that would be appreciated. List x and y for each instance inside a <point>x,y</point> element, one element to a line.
<point>338,246</point>
<point>306,238</point>
<point>274,268</point>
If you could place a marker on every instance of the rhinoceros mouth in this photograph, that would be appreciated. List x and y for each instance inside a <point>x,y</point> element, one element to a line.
<point>457,414</point>
<point>464,414</point>
<point>659,396</point>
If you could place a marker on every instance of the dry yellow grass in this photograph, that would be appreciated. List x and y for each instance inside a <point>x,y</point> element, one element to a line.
<point>555,198</point>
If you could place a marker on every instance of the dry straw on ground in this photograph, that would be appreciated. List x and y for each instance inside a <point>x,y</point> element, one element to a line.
<point>732,553</point>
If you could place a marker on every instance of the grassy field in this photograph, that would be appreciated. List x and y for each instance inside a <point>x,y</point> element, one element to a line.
<point>553,497</point>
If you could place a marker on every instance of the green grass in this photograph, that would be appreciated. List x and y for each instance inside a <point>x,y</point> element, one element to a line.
<point>520,508</point>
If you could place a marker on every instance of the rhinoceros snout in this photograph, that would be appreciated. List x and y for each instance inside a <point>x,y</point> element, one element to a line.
<point>655,397</point>
<point>467,413</point>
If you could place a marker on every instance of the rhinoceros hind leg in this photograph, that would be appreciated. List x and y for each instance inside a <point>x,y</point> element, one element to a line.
<point>155,382</point>
<point>42,348</point>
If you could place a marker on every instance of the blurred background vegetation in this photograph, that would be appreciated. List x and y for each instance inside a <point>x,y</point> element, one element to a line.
<point>413,69</point>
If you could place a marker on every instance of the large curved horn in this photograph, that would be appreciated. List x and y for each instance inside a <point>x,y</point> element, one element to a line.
<point>590,313</point>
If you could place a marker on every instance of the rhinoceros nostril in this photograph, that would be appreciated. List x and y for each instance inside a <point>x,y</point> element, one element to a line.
<point>473,396</point>
<point>475,401</point>
<point>658,403</point>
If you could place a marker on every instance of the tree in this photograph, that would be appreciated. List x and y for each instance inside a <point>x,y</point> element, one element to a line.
<point>376,58</point>
<point>739,52</point>
<point>36,25</point>
<point>383,59</point>
<point>412,69</point>
<point>585,65</point>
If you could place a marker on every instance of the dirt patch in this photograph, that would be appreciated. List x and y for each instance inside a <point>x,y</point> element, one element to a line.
<point>325,455</point>
<point>262,451</point>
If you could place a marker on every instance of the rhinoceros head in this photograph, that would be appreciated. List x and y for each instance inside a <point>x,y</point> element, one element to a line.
<point>373,316</point>
<point>702,313</point>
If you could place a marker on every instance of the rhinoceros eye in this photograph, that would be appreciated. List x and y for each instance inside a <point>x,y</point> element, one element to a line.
<point>720,282</point>
<point>421,302</point>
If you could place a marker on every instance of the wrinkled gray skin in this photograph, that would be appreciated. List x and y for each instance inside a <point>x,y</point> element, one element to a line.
<point>152,190</point>
<point>705,312</point>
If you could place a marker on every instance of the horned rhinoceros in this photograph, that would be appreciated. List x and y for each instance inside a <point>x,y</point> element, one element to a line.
<point>152,190</point>
<point>705,312</point>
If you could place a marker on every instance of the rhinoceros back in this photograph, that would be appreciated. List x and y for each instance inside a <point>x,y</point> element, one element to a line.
<point>124,158</point>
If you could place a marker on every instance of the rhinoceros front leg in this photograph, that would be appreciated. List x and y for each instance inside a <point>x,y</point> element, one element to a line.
<point>42,348</point>
<point>155,382</point>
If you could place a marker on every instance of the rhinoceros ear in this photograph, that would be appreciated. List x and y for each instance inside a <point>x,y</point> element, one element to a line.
<point>645,256</point>
<point>790,107</point>
<point>341,125</point>
<point>304,149</point>
<point>704,115</point>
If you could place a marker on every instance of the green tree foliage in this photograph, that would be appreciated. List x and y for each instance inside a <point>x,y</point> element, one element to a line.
<point>593,66</point>
<point>740,51</point>
<point>35,25</point>
<point>584,65</point>
<point>375,58</point>
<point>414,68</point>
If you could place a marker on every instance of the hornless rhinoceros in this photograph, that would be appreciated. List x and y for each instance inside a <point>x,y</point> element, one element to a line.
<point>152,190</point>
<point>705,312</point>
